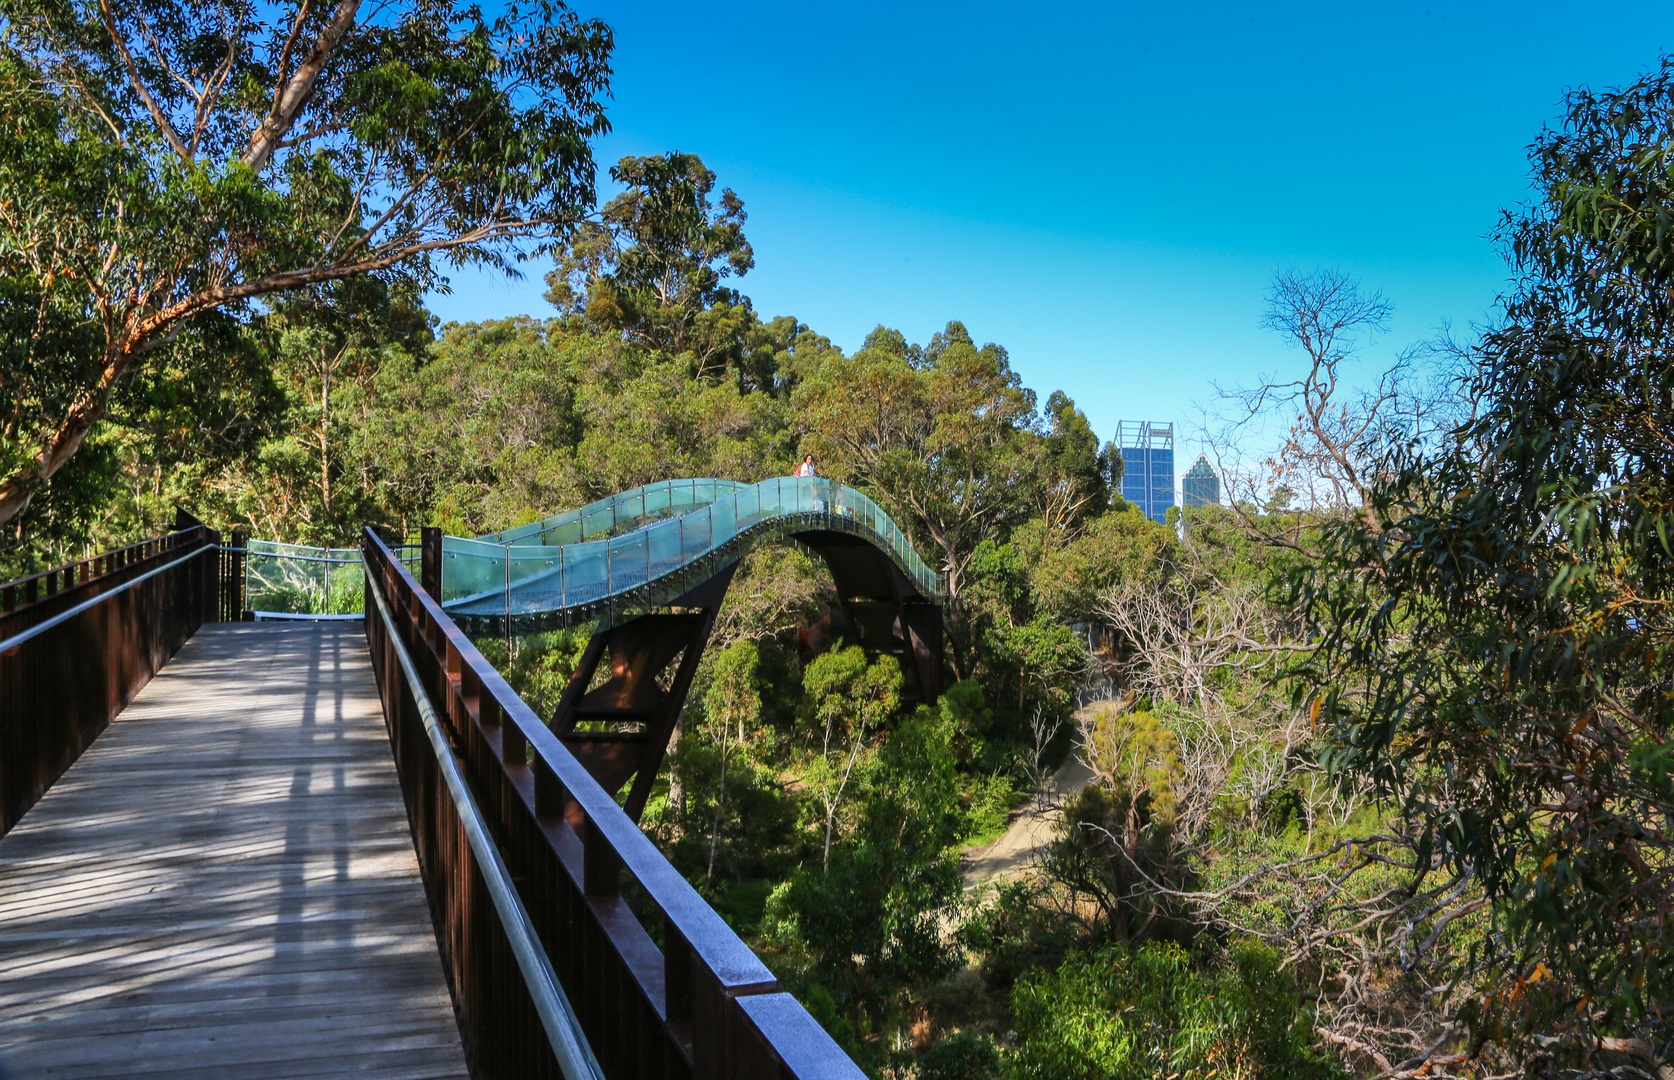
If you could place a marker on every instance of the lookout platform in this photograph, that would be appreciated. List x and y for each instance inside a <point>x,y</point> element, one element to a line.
<point>224,883</point>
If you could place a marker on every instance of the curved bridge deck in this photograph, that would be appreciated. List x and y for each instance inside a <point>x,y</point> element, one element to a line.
<point>224,884</point>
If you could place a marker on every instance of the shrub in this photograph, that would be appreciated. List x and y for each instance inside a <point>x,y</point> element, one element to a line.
<point>963,1057</point>
<point>1121,1014</point>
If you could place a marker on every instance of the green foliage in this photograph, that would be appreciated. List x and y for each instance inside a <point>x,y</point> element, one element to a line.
<point>733,700</point>
<point>1138,758</point>
<point>1117,1013</point>
<point>337,402</point>
<point>847,699</point>
<point>481,433</point>
<point>1017,933</point>
<point>540,665</point>
<point>991,801</point>
<point>162,162</point>
<point>1115,833</point>
<point>1073,485</point>
<point>1070,574</point>
<point>1497,644</point>
<point>651,268</point>
<point>1049,659</point>
<point>731,710</point>
<point>943,436</point>
<point>1019,647</point>
<point>778,591</point>
<point>967,710</point>
<point>963,1057</point>
<point>870,922</point>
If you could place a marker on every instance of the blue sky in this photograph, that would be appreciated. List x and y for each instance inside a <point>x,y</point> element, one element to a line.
<point>1105,190</point>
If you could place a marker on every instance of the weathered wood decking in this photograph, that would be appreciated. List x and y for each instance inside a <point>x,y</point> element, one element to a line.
<point>224,884</point>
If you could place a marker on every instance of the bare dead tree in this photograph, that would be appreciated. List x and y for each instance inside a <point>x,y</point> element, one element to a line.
<point>1296,450</point>
<point>1191,641</point>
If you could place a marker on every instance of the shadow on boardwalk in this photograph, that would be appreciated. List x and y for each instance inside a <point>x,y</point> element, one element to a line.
<point>224,885</point>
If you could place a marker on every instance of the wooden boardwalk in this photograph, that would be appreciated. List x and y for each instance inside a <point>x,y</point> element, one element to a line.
<point>224,886</point>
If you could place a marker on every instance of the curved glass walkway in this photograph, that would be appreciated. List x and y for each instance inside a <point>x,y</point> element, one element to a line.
<point>646,547</point>
<point>604,562</point>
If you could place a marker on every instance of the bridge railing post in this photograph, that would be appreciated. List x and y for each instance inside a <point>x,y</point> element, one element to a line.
<point>430,560</point>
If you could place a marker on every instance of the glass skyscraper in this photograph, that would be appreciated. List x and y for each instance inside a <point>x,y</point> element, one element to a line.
<point>1200,486</point>
<point>1147,465</point>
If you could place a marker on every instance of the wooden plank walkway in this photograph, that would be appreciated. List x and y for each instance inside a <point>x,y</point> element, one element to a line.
<point>224,884</point>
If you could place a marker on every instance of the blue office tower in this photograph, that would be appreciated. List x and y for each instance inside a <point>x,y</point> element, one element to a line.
<point>1147,465</point>
<point>1200,486</point>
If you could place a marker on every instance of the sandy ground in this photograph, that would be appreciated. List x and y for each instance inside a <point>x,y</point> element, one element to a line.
<point>1030,830</point>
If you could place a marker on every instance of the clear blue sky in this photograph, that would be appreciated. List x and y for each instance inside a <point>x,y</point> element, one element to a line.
<point>1105,189</point>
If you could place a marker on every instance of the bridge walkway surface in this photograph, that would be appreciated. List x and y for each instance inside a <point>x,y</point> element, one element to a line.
<point>224,884</point>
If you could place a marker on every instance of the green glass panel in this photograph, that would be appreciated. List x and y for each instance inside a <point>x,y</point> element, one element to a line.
<point>627,562</point>
<point>664,539</point>
<point>723,516</point>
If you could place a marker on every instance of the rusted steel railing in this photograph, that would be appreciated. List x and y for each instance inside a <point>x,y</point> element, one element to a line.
<point>231,572</point>
<point>702,1005</point>
<point>78,641</point>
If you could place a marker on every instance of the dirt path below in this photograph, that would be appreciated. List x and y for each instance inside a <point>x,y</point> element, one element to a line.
<point>1030,830</point>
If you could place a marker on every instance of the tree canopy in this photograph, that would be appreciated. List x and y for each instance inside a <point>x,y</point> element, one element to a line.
<point>652,266</point>
<point>1370,770</point>
<point>1497,642</point>
<point>159,162</point>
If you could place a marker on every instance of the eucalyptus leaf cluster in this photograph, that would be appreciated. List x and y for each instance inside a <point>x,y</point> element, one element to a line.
<point>163,161</point>
<point>1496,648</point>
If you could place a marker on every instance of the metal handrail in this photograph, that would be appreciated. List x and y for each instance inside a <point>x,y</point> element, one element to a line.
<point>42,627</point>
<point>71,662</point>
<point>296,558</point>
<point>563,1027</point>
<point>52,571</point>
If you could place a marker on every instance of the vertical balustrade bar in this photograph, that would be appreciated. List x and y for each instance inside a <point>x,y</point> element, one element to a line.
<point>430,560</point>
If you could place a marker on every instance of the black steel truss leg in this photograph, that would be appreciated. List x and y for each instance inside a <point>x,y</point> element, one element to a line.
<point>662,729</point>
<point>630,718</point>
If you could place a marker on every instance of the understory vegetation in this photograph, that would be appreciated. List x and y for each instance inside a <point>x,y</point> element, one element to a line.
<point>1379,752</point>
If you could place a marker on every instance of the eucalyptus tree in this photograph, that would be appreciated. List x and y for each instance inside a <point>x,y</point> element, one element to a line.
<point>946,435</point>
<point>160,161</point>
<point>653,267</point>
<point>1497,641</point>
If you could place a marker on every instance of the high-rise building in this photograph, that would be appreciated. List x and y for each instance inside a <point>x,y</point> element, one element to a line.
<point>1147,465</point>
<point>1200,486</point>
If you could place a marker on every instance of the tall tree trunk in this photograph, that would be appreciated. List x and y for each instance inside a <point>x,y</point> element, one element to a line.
<point>720,802</point>
<point>325,435</point>
<point>676,788</point>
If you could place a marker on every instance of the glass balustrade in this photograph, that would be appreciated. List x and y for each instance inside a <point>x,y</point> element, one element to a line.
<point>611,549</point>
<point>295,579</point>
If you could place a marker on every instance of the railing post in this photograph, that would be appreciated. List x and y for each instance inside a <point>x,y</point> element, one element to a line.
<point>551,800</point>
<point>430,560</point>
<point>232,578</point>
<point>209,578</point>
<point>601,867</point>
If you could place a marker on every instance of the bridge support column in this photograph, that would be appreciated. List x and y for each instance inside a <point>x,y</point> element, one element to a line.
<point>620,730</point>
